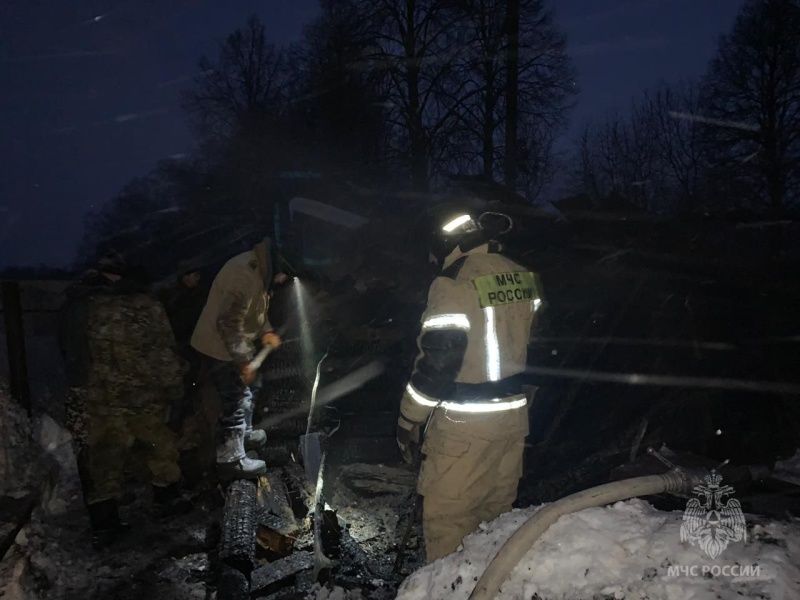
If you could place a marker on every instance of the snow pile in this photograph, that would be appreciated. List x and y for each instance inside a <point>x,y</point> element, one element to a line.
<point>36,456</point>
<point>789,469</point>
<point>61,489</point>
<point>336,593</point>
<point>629,550</point>
<point>20,456</point>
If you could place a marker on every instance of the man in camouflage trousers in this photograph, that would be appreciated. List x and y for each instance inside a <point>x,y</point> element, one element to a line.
<point>123,370</point>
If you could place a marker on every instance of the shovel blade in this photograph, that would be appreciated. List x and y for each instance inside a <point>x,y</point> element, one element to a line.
<point>311,451</point>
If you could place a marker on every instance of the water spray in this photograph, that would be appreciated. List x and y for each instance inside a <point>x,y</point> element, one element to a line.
<point>329,393</point>
<point>301,297</point>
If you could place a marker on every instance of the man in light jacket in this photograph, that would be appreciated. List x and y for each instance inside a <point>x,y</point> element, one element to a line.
<point>234,317</point>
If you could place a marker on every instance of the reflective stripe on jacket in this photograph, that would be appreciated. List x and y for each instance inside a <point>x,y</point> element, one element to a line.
<point>474,336</point>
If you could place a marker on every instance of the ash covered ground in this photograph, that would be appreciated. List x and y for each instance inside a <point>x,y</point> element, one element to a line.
<point>49,555</point>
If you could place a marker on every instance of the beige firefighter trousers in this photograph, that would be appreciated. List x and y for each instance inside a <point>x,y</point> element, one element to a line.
<point>469,475</point>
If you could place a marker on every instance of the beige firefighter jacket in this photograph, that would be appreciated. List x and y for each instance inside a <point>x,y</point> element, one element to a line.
<point>495,301</point>
<point>235,313</point>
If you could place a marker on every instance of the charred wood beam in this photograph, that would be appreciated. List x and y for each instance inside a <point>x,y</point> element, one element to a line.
<point>376,480</point>
<point>273,496</point>
<point>280,574</point>
<point>301,490</point>
<point>239,524</point>
<point>352,552</point>
<point>663,343</point>
<point>277,526</point>
<point>675,381</point>
<point>751,275</point>
<point>232,584</point>
<point>721,266</point>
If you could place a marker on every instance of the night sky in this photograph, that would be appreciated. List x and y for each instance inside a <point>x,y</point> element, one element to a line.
<point>90,89</point>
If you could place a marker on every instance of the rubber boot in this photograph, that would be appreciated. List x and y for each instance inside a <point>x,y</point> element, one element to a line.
<point>244,468</point>
<point>255,439</point>
<point>168,501</point>
<point>82,462</point>
<point>106,524</point>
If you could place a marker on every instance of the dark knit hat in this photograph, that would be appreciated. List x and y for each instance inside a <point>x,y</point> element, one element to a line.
<point>186,267</point>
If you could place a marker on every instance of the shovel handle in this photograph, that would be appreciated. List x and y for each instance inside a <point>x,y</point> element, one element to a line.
<point>262,355</point>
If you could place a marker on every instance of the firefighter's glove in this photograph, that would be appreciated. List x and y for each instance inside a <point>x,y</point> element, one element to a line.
<point>409,440</point>
<point>248,374</point>
<point>271,339</point>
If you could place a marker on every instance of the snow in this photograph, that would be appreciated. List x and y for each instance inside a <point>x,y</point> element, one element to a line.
<point>624,551</point>
<point>337,593</point>
<point>51,557</point>
<point>789,469</point>
<point>23,464</point>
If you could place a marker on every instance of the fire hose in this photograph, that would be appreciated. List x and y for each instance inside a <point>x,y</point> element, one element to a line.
<point>679,481</point>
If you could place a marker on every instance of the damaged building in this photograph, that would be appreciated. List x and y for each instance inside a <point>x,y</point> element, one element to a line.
<point>663,343</point>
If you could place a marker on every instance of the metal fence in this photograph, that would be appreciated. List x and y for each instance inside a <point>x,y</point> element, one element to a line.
<point>29,325</point>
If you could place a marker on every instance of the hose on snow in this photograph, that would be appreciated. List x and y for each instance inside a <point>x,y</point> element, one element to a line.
<point>511,553</point>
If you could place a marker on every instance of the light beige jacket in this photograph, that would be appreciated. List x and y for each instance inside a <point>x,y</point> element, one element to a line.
<point>235,314</point>
<point>497,336</point>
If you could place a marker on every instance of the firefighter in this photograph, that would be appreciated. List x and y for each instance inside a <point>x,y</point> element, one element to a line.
<point>233,319</point>
<point>464,403</point>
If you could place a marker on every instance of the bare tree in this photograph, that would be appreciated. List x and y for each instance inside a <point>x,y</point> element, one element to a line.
<point>617,162</point>
<point>537,159</point>
<point>340,107</point>
<point>754,98</point>
<point>133,221</point>
<point>544,87</point>
<point>512,32</point>
<point>412,51</point>
<point>482,43</point>
<point>586,164</point>
<point>655,157</point>
<point>246,81</point>
<point>680,140</point>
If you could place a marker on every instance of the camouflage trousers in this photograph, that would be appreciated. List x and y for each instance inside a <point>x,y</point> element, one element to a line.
<point>77,419</point>
<point>110,436</point>
<point>77,423</point>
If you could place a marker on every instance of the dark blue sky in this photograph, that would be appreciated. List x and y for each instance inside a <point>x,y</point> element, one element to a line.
<point>90,89</point>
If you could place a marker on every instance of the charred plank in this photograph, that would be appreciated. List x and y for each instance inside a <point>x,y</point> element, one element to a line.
<point>280,574</point>
<point>273,496</point>
<point>239,524</point>
<point>301,490</point>
<point>232,584</point>
<point>275,537</point>
<point>351,552</point>
<point>375,480</point>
